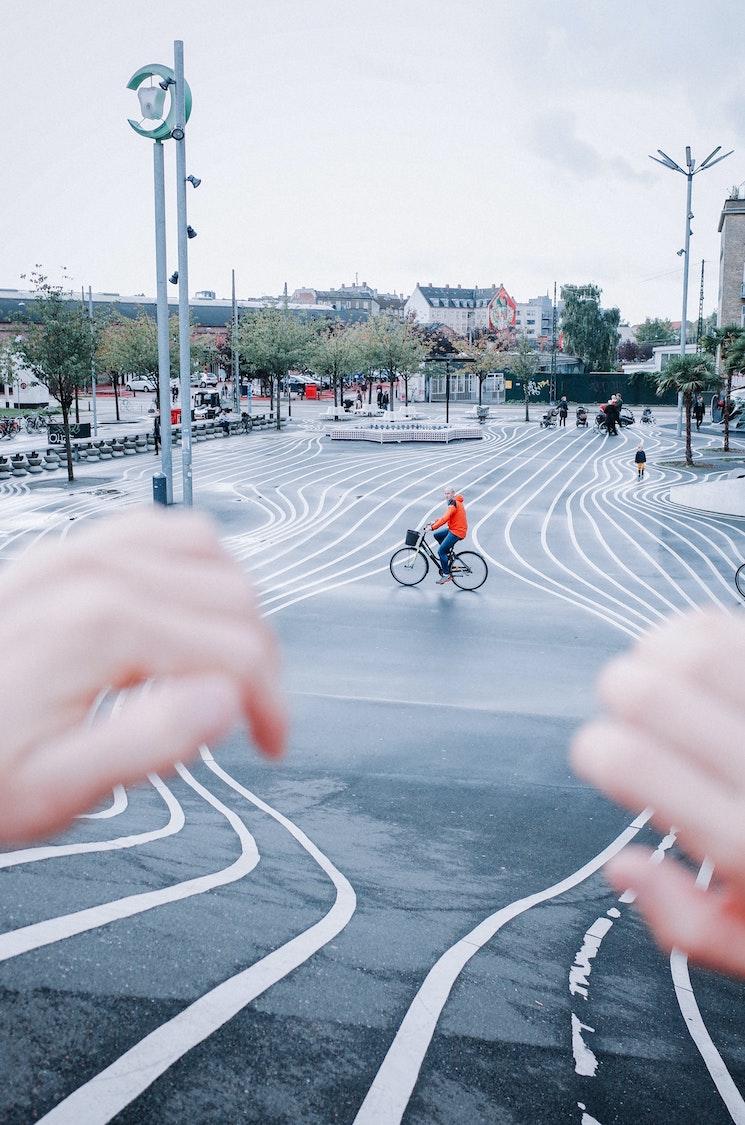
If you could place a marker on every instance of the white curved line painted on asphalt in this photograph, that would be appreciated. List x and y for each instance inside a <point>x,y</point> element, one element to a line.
<point>105,1095</point>
<point>392,1087</point>
<point>697,1030</point>
<point>25,938</point>
<point>117,806</point>
<point>174,824</point>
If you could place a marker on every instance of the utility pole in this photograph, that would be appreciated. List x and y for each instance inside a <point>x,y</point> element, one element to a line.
<point>93,367</point>
<point>234,351</point>
<point>164,350</point>
<point>552,384</point>
<point>700,325</point>
<point>179,135</point>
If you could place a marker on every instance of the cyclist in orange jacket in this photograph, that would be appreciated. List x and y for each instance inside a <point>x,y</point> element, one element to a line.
<point>453,527</point>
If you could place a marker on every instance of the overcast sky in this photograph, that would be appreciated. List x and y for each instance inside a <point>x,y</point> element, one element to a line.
<point>451,141</point>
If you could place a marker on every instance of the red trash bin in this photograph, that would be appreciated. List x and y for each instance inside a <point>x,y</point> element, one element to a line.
<point>176,416</point>
<point>311,390</point>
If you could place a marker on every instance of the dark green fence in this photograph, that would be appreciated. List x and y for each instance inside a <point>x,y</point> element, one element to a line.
<point>636,390</point>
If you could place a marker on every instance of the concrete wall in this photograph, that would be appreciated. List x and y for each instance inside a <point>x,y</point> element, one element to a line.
<point>731,262</point>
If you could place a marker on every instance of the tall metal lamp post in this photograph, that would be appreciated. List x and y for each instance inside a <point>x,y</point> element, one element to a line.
<point>689,172</point>
<point>152,100</point>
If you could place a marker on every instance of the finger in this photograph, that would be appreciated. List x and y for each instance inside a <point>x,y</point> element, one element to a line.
<point>636,771</point>
<point>678,713</point>
<point>169,534</point>
<point>148,733</point>
<point>708,648</point>
<point>709,926</point>
<point>145,642</point>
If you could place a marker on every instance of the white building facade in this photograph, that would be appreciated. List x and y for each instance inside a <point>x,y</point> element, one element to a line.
<point>468,310</point>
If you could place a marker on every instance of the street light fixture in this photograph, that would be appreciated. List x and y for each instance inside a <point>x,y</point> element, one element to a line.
<point>194,181</point>
<point>689,172</point>
<point>173,85</point>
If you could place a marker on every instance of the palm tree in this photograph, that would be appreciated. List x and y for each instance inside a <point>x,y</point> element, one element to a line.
<point>688,375</point>
<point>731,340</point>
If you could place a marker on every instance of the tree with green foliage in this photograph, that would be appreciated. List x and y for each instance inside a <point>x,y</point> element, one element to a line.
<point>590,332</point>
<point>335,355</point>
<point>273,342</point>
<point>523,365</point>
<point>58,348</point>
<point>485,363</point>
<point>688,375</point>
<point>656,331</point>
<point>728,343</point>
<point>391,346</point>
<point>129,346</point>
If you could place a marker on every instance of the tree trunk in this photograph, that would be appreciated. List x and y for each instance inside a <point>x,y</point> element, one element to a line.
<point>68,447</point>
<point>447,393</point>
<point>727,393</point>
<point>77,407</point>
<point>279,401</point>
<point>391,382</point>
<point>336,390</point>
<point>687,407</point>
<point>369,391</point>
<point>527,413</point>
<point>406,390</point>
<point>481,384</point>
<point>115,379</point>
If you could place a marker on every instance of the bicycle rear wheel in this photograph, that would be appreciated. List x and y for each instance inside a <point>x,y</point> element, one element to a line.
<point>740,580</point>
<point>408,566</point>
<point>468,570</point>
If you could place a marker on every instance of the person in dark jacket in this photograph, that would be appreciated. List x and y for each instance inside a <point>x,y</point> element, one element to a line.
<point>640,460</point>
<point>563,410</point>
<point>156,432</point>
<point>611,417</point>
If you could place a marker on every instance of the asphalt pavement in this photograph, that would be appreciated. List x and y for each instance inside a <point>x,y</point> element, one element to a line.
<point>406,920</point>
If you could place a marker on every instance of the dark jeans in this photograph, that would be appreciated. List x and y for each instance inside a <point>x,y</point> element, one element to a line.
<point>562,418</point>
<point>447,541</point>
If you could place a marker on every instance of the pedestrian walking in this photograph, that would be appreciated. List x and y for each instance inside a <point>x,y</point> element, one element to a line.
<point>640,461</point>
<point>563,410</point>
<point>156,432</point>
<point>385,401</point>
<point>699,410</point>
<point>380,398</point>
<point>174,392</point>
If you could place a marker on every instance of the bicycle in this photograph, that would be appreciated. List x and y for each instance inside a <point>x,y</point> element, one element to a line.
<point>740,580</point>
<point>409,565</point>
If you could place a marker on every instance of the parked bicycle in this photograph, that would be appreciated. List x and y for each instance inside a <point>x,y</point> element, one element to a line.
<point>740,580</point>
<point>9,427</point>
<point>410,564</point>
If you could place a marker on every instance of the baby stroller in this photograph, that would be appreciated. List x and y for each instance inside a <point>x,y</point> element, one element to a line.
<point>626,417</point>
<point>581,416</point>
<point>548,421</point>
<point>648,417</point>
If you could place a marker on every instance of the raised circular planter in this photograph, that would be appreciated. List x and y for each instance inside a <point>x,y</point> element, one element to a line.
<point>117,448</point>
<point>51,460</point>
<point>19,465</point>
<point>5,469</point>
<point>34,462</point>
<point>104,450</point>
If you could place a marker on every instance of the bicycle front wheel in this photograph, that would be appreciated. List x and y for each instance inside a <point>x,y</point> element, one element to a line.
<point>740,580</point>
<point>409,566</point>
<point>468,570</point>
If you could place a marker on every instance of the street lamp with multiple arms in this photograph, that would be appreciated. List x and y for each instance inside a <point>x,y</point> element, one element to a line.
<point>689,172</point>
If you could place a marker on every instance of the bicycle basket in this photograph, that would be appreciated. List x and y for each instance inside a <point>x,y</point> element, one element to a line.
<point>412,538</point>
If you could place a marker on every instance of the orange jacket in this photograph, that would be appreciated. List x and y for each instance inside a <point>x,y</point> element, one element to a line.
<point>455,518</point>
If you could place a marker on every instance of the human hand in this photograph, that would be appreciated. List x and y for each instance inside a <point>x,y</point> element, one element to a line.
<point>145,598</point>
<point>674,739</point>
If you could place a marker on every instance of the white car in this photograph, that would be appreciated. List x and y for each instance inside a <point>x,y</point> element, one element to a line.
<point>207,379</point>
<point>139,383</point>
